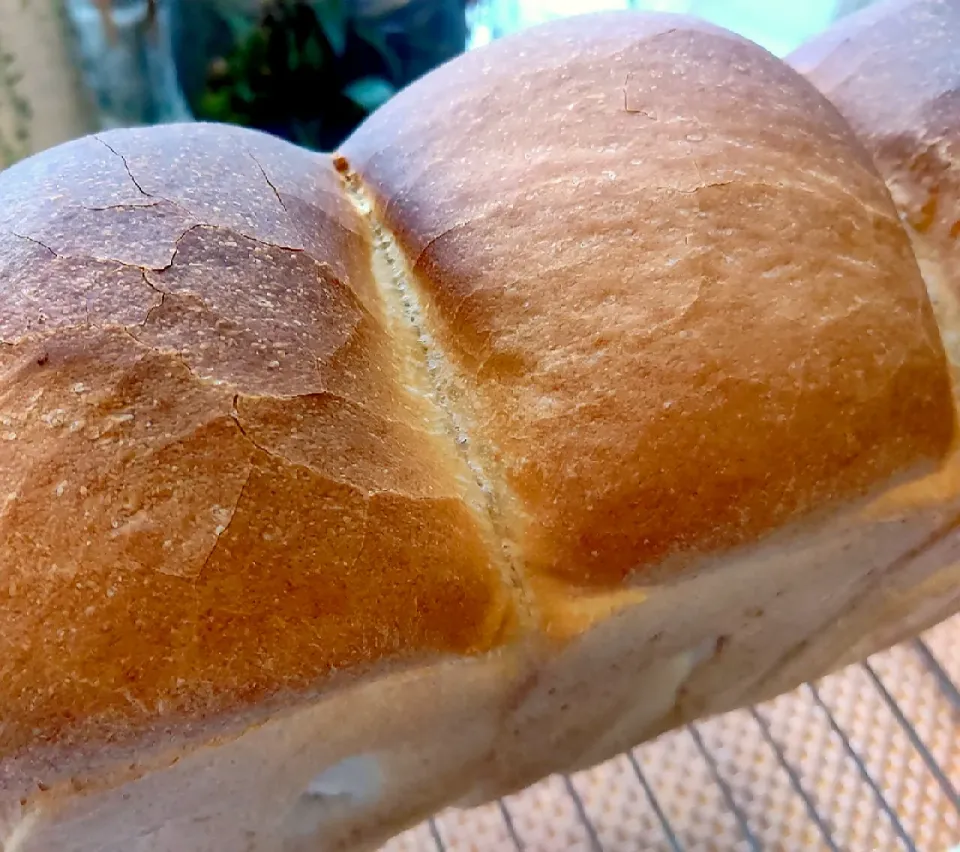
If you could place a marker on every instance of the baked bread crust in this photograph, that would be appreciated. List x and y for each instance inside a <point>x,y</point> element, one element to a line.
<point>893,71</point>
<point>211,447</point>
<point>610,227</point>
<point>591,388</point>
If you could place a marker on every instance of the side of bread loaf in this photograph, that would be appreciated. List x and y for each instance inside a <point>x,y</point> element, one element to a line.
<point>588,384</point>
<point>893,71</point>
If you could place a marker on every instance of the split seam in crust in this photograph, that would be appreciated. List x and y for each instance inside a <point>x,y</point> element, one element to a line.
<point>400,293</point>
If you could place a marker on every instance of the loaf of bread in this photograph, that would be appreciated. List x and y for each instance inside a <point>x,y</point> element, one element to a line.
<point>592,388</point>
<point>893,71</point>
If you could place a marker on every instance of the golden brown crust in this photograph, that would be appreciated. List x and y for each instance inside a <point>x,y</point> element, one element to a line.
<point>246,458</point>
<point>215,490</point>
<point>607,244</point>
<point>893,70</point>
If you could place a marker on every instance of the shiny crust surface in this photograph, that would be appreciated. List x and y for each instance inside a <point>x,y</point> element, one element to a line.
<point>653,323</point>
<point>893,70</point>
<point>672,286</point>
<point>214,489</point>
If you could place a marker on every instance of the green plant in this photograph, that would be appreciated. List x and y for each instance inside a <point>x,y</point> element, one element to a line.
<point>306,71</point>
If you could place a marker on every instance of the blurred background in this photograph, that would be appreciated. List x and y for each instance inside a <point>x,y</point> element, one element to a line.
<point>305,70</point>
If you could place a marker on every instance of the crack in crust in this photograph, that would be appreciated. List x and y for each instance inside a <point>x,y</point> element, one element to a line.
<point>398,286</point>
<point>123,160</point>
